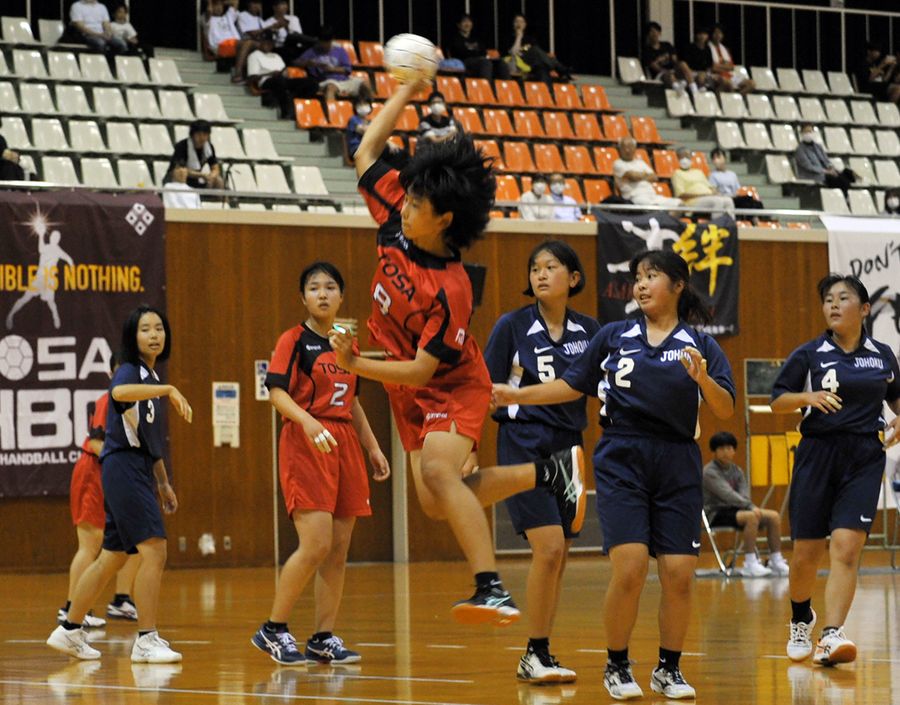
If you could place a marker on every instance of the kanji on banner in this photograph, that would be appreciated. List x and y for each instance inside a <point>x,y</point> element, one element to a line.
<point>710,249</point>
<point>72,265</point>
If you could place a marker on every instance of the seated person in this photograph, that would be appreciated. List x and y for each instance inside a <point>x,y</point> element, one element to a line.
<point>691,185</point>
<point>634,178</point>
<point>463,45</point>
<point>437,125</point>
<point>266,70</point>
<point>531,207</point>
<point>289,37</point>
<point>198,155</point>
<point>565,207</point>
<point>698,59</point>
<point>813,162</point>
<point>329,64</point>
<point>723,65</point>
<point>356,128</point>
<point>527,56</point>
<point>124,30</point>
<point>875,75</point>
<point>726,182</point>
<point>9,163</point>
<point>661,63</point>
<point>177,193</point>
<point>892,202</point>
<point>726,501</point>
<point>90,19</point>
<point>225,41</point>
<point>250,22</point>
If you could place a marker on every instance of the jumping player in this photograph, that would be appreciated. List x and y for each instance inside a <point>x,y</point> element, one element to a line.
<point>89,519</point>
<point>132,461</point>
<point>322,471</point>
<point>840,381</point>
<point>650,374</point>
<point>435,376</point>
<point>534,345</point>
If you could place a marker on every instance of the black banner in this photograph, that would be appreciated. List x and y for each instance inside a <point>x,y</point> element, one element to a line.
<point>710,249</point>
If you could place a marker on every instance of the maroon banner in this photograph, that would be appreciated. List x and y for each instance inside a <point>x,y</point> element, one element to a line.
<point>72,265</point>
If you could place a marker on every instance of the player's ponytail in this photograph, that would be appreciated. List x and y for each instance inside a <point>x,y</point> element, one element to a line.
<point>691,308</point>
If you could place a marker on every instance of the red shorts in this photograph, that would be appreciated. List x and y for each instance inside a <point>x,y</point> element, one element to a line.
<point>227,48</point>
<point>334,482</point>
<point>86,492</point>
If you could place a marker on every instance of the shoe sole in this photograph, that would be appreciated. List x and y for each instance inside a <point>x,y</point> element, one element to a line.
<point>623,697</point>
<point>67,652</point>
<point>581,504</point>
<point>846,653</point>
<point>271,656</point>
<point>473,614</point>
<point>798,659</point>
<point>553,678</point>
<point>662,691</point>
<point>325,661</point>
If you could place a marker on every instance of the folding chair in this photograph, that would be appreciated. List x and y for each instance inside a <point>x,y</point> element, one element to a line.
<point>726,568</point>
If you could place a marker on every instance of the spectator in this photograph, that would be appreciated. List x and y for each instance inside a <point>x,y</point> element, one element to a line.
<point>565,207</point>
<point>530,59</point>
<point>634,178</point>
<point>662,63</point>
<point>289,37</point>
<point>356,128</point>
<point>225,41</point>
<point>699,60</point>
<point>266,71</point>
<point>329,64</point>
<point>726,182</point>
<point>726,501</point>
<point>876,74</point>
<point>9,163</point>
<point>472,52</point>
<point>437,125</point>
<point>124,30</point>
<point>197,153</point>
<point>90,19</point>
<point>691,185</point>
<point>891,201</point>
<point>731,78</point>
<point>528,209</point>
<point>177,193</point>
<point>813,163</point>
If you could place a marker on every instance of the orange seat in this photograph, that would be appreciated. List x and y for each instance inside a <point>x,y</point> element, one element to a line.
<point>491,149</point>
<point>556,124</point>
<point>409,118</point>
<point>662,188</point>
<point>594,97</point>
<point>753,193</point>
<point>397,141</point>
<point>538,95</point>
<point>385,85</point>
<point>698,159</point>
<point>527,123</point>
<point>496,122</point>
<point>507,188</point>
<point>604,158</point>
<point>578,159</point>
<point>642,154</point>
<point>508,93</point>
<point>597,190</point>
<point>308,113</point>
<point>665,162</point>
<point>470,120</point>
<point>586,127</point>
<point>798,226</point>
<point>452,89</point>
<point>493,54</point>
<point>644,130</point>
<point>517,157</point>
<point>497,213</point>
<point>371,54</point>
<point>339,113</point>
<point>771,225</point>
<point>615,127</point>
<point>566,96</point>
<point>347,46</point>
<point>295,72</point>
<point>362,76</point>
<point>547,159</point>
<point>479,91</point>
<point>573,189</point>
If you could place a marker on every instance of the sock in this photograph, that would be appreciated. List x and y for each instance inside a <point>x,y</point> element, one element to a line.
<point>68,605</point>
<point>618,657</point>
<point>544,472</point>
<point>668,659</point>
<point>321,636</point>
<point>145,632</point>
<point>776,557</point>
<point>70,626</point>
<point>541,646</point>
<point>120,598</point>
<point>750,559</point>
<point>826,630</point>
<point>801,611</point>
<point>484,581</point>
<point>275,627</point>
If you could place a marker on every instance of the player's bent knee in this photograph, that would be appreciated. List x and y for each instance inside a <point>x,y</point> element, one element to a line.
<point>550,553</point>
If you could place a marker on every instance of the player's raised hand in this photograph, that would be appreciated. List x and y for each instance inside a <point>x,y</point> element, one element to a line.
<point>824,401</point>
<point>381,468</point>
<point>892,433</point>
<point>319,436</point>
<point>181,405</point>
<point>342,343</point>
<point>503,395</point>
<point>694,363</point>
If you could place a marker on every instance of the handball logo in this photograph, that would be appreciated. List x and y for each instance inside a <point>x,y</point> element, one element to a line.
<point>139,218</point>
<point>16,357</point>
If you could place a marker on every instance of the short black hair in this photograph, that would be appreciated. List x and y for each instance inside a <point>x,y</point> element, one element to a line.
<point>436,94</point>
<point>804,125</point>
<point>129,351</point>
<point>568,258</point>
<point>326,34</point>
<point>691,308</point>
<point>456,177</point>
<point>538,177</point>
<point>200,126</point>
<point>324,267</point>
<point>717,152</point>
<point>852,282</point>
<point>722,439</point>
<point>652,25</point>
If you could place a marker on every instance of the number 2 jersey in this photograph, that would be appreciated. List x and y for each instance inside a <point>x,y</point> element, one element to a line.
<point>863,379</point>
<point>305,366</point>
<point>135,426</point>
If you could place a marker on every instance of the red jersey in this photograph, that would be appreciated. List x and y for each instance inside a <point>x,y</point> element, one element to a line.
<point>97,430</point>
<point>419,300</point>
<point>304,365</point>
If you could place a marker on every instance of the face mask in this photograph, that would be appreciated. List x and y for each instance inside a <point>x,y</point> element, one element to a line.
<point>363,110</point>
<point>558,188</point>
<point>539,188</point>
<point>685,162</point>
<point>438,108</point>
<point>893,202</point>
<point>807,137</point>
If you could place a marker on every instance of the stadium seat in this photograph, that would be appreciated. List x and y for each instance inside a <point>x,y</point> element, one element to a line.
<point>528,124</point>
<point>517,157</point>
<point>241,178</point>
<point>604,158</point>
<point>863,141</point>
<point>63,66</point>
<point>361,75</point>
<point>13,129</point>
<point>863,112</point>
<point>573,189</point>
<point>160,168</point>
<point>347,46</point>
<point>339,113</point>
<point>763,78</point>
<point>811,110</point>
<point>408,120</point>
<point>164,72</point>
<point>678,104</point>
<point>371,54</point>
<point>130,69</point>
<point>308,113</point>
<point>59,170</point>
<point>644,130</point>
<point>662,188</point>
<point>594,97</point>
<point>244,206</point>
<point>47,133</point>
<point>8,98</point>
<point>733,106</point>
<point>174,105</point>
<point>887,173</point>
<point>491,149</point>
<point>496,122</point>
<point>227,143</point>
<point>36,98</point>
<point>452,89</point>
<point>50,31</point>
<point>547,159</point>
<point>95,67</point>
<point>122,138</point>
<point>155,138</point>
<point>728,135</point>
<point>294,208</point>
<point>85,137</point>
<point>557,125</point>
<point>596,190</point>
<point>779,169</point>
<point>630,70</point>
<point>470,120</point>
<point>786,108</point>
<point>209,106</point>
<point>879,201</point>
<point>833,201</point>
<point>28,64</point>
<point>784,138</point>
<point>578,159</point>
<point>888,114</point>
<point>142,103</point>
<point>839,83</point>
<point>480,92</point>
<point>566,96</point>
<point>98,172</point>
<point>385,85</point>
<point>507,188</point>
<point>71,100</point>
<point>308,181</point>
<point>537,95</point>
<point>789,81</point>
<point>133,173</point>
<point>17,30</point>
<point>862,166</point>
<point>508,93</point>
<point>698,161</point>
<point>888,143</point>
<point>861,202</point>
<point>4,69</point>
<point>26,161</point>
<point>270,178</point>
<point>814,81</point>
<point>706,105</point>
<point>665,162</point>
<point>760,107</point>
<point>586,127</point>
<point>837,112</point>
<point>615,127</point>
<point>836,140</point>
<point>641,153</point>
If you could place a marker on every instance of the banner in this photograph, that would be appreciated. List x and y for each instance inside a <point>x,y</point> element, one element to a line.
<point>72,265</point>
<point>710,249</point>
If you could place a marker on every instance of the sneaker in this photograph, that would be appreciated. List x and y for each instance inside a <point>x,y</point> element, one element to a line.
<point>493,605</point>
<point>780,567</point>
<point>538,667</point>
<point>330,650</point>
<point>281,647</point>
<point>620,682</point>
<point>755,570</point>
<point>566,675</point>
<point>72,642</point>
<point>89,621</point>
<point>152,648</point>
<point>834,647</point>
<point>671,683</point>
<point>799,646</point>
<point>567,483</point>
<point>126,610</point>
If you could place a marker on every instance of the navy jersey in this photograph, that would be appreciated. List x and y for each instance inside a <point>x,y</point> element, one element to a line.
<point>862,379</point>
<point>134,426</point>
<point>646,390</point>
<point>520,352</point>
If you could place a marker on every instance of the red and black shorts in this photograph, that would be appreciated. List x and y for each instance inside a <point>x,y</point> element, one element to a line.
<point>86,492</point>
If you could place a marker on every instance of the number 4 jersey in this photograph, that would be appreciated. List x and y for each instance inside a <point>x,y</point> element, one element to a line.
<point>305,366</point>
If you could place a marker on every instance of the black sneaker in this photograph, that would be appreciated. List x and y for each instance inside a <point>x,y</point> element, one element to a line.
<point>492,605</point>
<point>567,483</point>
<point>330,650</point>
<point>281,647</point>
<point>620,682</point>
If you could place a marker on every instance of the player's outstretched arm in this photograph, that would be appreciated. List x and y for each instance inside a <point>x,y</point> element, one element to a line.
<point>556,392</point>
<point>378,131</point>
<point>143,392</point>
<point>411,373</point>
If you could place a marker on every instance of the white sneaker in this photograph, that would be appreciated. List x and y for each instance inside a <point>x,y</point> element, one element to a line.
<point>620,682</point>
<point>799,645</point>
<point>72,642</point>
<point>152,648</point>
<point>834,647</point>
<point>89,621</point>
<point>671,684</point>
<point>566,675</point>
<point>755,570</point>
<point>780,567</point>
<point>124,611</point>
<point>537,667</point>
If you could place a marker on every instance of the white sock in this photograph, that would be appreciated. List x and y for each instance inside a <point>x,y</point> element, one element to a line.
<point>776,557</point>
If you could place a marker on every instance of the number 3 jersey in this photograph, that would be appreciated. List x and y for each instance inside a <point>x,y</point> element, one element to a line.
<point>135,426</point>
<point>862,379</point>
<point>305,366</point>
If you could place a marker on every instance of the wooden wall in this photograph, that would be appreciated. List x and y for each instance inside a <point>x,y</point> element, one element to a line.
<point>232,288</point>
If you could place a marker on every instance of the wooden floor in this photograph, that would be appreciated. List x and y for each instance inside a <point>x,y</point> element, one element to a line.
<point>397,616</point>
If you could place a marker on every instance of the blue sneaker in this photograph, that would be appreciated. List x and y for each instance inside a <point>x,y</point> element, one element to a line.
<point>330,650</point>
<point>281,647</point>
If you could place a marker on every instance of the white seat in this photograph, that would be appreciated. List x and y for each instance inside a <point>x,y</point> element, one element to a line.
<point>85,136</point>
<point>251,207</point>
<point>706,104</point>
<point>630,70</point>
<point>72,100</point>
<point>181,132</point>
<point>839,83</point>
<point>836,110</point>
<point>50,31</point>
<point>879,198</point>
<point>160,168</point>
<point>174,105</point>
<point>786,108</point>
<point>760,107</point>
<point>209,106</point>
<point>63,66</point>
<point>784,138</point>
<point>26,161</point>
<point>4,69</point>
<point>863,141</point>
<point>16,30</point>
<point>861,202</point>
<point>130,69</point>
<point>863,112</point>
<point>226,142</point>
<point>779,169</point>
<point>241,176</point>
<point>108,102</point>
<point>142,103</point>
<point>258,143</point>
<point>122,138</point>
<point>833,201</point>
<point>155,138</point>
<point>36,98</point>
<point>164,72</point>
<point>733,106</point>
<point>811,110</point>
<point>814,81</point>
<point>837,163</point>
<point>270,178</point>
<point>862,166</point>
<point>887,173</point>
<point>836,141</point>
<point>98,172</point>
<point>59,170</point>
<point>757,136</point>
<point>8,98</point>
<point>322,209</point>
<point>888,114</point>
<point>678,104</point>
<point>47,134</point>
<point>287,208</point>
<point>308,181</point>
<point>13,129</point>
<point>888,143</point>
<point>95,67</point>
<point>763,78</point>
<point>28,64</point>
<point>134,173</point>
<point>789,80</point>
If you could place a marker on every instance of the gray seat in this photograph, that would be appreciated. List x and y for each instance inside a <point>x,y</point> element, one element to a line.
<point>833,201</point>
<point>789,81</point>
<point>86,137</point>
<point>47,134</point>
<point>36,98</point>
<point>786,108</point>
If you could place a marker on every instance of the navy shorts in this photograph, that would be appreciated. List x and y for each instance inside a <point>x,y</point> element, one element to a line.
<point>523,442</point>
<point>649,491</point>
<point>132,510</point>
<point>836,483</point>
<point>727,516</point>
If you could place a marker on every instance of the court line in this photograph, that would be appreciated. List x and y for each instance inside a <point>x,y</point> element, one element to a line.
<point>445,646</point>
<point>226,693</point>
<point>99,641</point>
<point>375,644</point>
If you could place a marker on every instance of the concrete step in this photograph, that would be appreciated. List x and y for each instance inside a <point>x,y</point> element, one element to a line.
<point>629,103</point>
<point>251,112</point>
<point>340,173</point>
